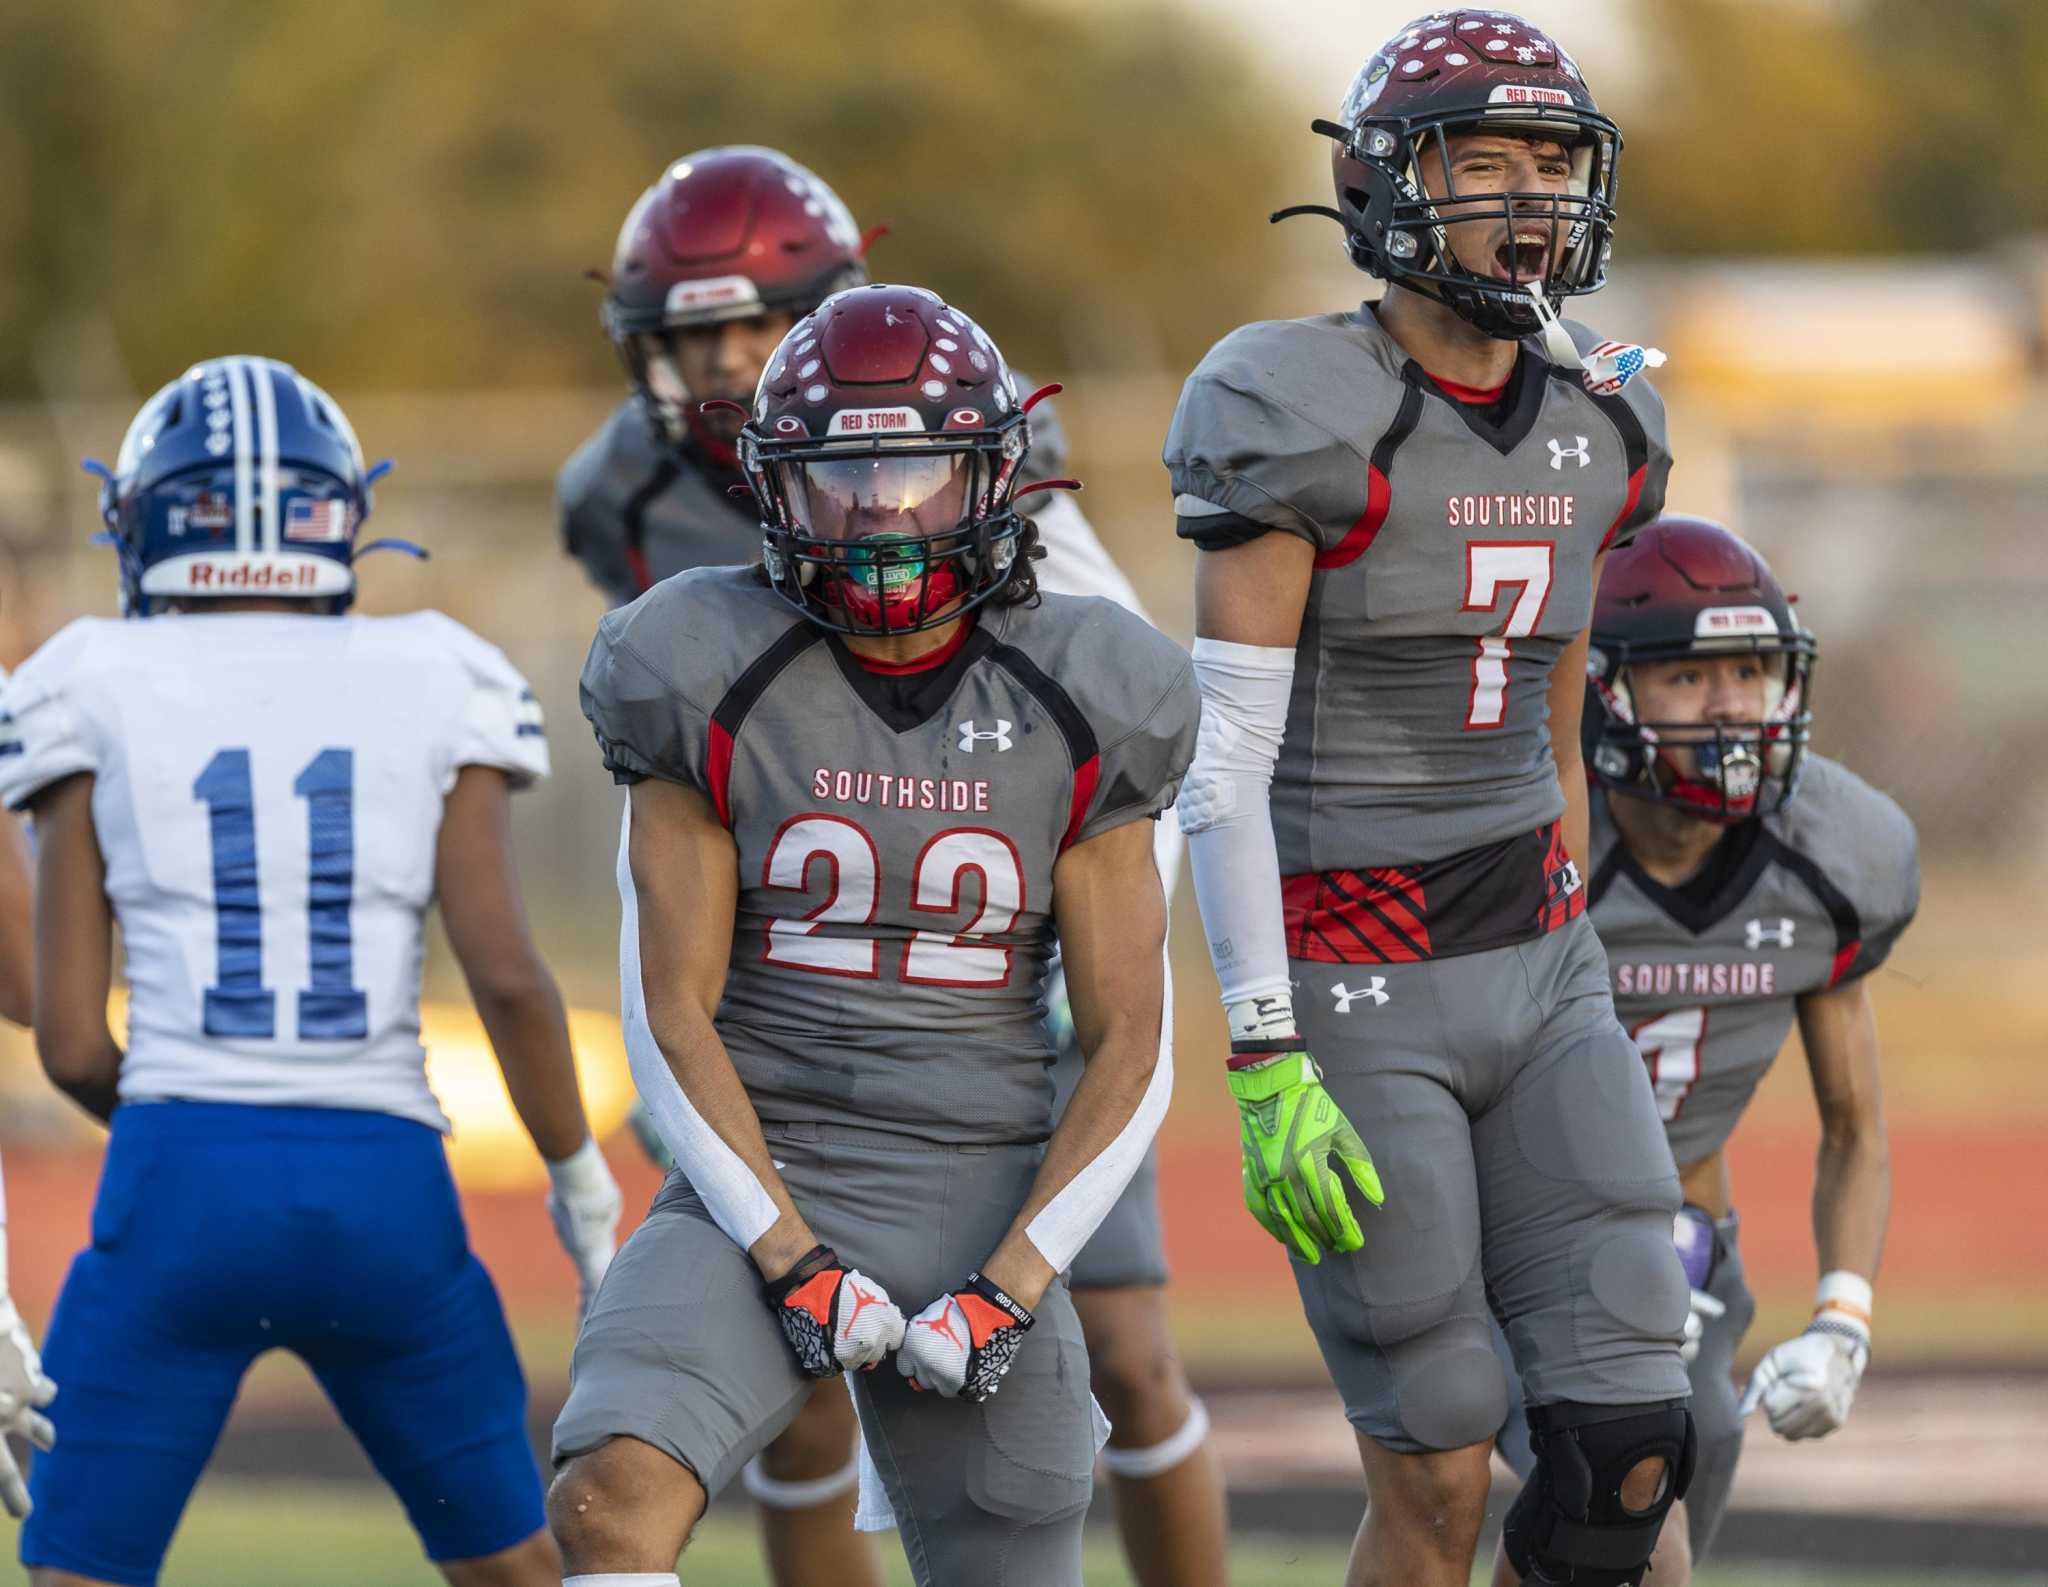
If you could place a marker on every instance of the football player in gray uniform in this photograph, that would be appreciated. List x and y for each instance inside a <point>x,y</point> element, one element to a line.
<point>871,780</point>
<point>712,267</point>
<point>1401,513</point>
<point>1728,908</point>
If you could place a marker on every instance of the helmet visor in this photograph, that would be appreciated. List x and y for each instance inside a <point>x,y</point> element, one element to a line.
<point>901,495</point>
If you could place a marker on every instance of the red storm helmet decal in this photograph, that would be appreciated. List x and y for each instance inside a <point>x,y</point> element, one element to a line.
<point>1460,71</point>
<point>884,449</point>
<point>725,234</point>
<point>1687,588</point>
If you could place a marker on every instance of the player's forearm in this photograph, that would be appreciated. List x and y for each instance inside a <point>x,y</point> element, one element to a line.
<point>721,1134</point>
<point>1100,1140</point>
<point>1852,1194</point>
<point>1578,819</point>
<point>529,1031</point>
<point>1225,809</point>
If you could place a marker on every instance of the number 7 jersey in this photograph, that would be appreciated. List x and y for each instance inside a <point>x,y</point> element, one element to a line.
<point>267,796</point>
<point>1455,535</point>
<point>896,831</point>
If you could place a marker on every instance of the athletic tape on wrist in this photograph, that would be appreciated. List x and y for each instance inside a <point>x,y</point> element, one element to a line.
<point>634,1579</point>
<point>1845,1298</point>
<point>775,1494</point>
<point>1156,1459</point>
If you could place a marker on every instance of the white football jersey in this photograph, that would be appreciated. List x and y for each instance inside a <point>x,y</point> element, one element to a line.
<point>268,795</point>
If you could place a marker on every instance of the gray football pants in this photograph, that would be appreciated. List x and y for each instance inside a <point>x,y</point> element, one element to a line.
<point>1526,1174</point>
<point>1714,1397</point>
<point>681,1352</point>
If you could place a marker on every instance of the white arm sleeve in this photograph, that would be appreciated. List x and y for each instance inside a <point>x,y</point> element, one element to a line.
<point>1226,811</point>
<point>1065,1223</point>
<point>737,1201</point>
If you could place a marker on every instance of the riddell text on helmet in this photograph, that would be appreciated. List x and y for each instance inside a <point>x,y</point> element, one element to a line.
<point>203,575</point>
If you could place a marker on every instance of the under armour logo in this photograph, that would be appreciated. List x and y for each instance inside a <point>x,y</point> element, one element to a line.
<point>1559,451</point>
<point>970,736</point>
<point>1376,989</point>
<point>1758,932</point>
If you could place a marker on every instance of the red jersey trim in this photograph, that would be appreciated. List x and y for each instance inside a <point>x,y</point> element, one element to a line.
<point>1471,396</point>
<point>927,662</point>
<point>1086,776</point>
<point>1628,506</point>
<point>718,772</point>
<point>1844,957</point>
<point>1358,539</point>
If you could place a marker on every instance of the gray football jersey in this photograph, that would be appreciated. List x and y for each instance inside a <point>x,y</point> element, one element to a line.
<point>1454,561</point>
<point>624,499</point>
<point>896,832</point>
<point>1706,978</point>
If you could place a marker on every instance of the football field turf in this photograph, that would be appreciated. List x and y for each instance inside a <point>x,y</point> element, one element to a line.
<point>279,1535</point>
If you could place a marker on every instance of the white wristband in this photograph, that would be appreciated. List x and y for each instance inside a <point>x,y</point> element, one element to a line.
<point>1844,1297</point>
<point>582,1173</point>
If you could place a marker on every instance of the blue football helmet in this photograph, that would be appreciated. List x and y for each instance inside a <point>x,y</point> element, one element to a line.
<point>241,477</point>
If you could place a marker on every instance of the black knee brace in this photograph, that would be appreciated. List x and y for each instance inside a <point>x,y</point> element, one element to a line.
<point>1570,1524</point>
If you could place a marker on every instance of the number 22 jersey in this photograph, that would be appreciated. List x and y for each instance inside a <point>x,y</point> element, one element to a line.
<point>267,795</point>
<point>896,831</point>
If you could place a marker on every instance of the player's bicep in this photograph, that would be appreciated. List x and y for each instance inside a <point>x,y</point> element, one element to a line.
<point>1838,1029</point>
<point>1110,910</point>
<point>17,925</point>
<point>476,881</point>
<point>74,926</point>
<point>685,871</point>
<point>1254,593</point>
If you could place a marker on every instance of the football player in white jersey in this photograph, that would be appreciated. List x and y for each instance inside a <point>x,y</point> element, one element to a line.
<point>267,795</point>
<point>24,1389</point>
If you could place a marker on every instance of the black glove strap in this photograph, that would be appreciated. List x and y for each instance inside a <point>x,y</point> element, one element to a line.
<point>1018,1312</point>
<point>808,1266</point>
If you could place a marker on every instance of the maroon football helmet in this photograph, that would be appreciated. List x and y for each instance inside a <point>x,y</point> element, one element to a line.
<point>1687,587</point>
<point>725,234</point>
<point>1463,71</point>
<point>884,449</point>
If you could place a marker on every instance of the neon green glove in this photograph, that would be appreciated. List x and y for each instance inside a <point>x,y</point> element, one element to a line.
<point>1294,1136</point>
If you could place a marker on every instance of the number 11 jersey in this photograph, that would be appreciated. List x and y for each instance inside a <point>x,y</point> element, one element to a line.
<point>267,796</point>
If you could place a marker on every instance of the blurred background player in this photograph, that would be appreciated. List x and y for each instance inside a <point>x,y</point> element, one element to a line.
<point>1739,882</point>
<point>25,1390</point>
<point>714,264</point>
<point>266,796</point>
<point>929,771</point>
<point>1401,513</point>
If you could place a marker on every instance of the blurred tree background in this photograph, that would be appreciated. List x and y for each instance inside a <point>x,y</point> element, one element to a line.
<point>1848,127</point>
<point>397,194</point>
<point>404,195</point>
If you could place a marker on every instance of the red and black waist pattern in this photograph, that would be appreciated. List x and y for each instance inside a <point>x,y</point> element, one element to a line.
<point>1489,897</point>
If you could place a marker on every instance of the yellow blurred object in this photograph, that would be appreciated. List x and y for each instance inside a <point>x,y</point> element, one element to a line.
<point>489,1150</point>
<point>1846,344</point>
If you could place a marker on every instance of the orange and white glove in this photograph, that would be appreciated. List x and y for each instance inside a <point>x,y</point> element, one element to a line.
<point>835,1318</point>
<point>1806,1385</point>
<point>962,1343</point>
